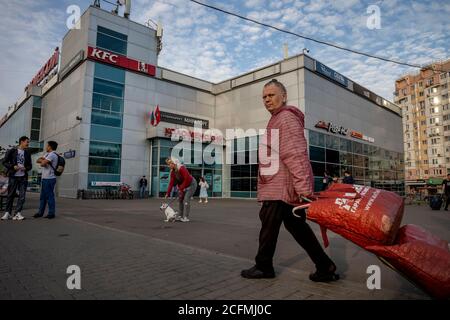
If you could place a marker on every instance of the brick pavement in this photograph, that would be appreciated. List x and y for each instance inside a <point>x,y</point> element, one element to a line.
<point>120,263</point>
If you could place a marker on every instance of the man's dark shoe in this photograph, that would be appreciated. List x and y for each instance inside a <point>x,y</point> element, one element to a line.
<point>50,217</point>
<point>255,273</point>
<point>325,276</point>
<point>38,215</point>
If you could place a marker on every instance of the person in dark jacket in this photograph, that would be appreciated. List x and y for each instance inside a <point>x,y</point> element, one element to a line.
<point>17,162</point>
<point>143,183</point>
<point>348,179</point>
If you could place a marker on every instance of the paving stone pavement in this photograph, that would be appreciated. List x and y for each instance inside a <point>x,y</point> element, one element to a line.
<point>118,263</point>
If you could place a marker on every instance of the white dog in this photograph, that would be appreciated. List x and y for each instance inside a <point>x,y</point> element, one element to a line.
<point>171,215</point>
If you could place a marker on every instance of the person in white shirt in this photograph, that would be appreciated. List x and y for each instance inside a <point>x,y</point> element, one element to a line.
<point>49,163</point>
<point>203,190</point>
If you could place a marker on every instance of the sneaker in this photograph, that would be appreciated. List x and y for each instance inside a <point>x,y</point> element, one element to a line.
<point>18,217</point>
<point>325,276</point>
<point>50,217</point>
<point>200,201</point>
<point>206,201</point>
<point>38,215</point>
<point>255,273</point>
<point>6,216</point>
<point>184,219</point>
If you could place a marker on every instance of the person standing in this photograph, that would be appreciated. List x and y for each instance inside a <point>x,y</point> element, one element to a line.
<point>187,185</point>
<point>281,189</point>
<point>348,179</point>
<point>203,190</point>
<point>326,181</point>
<point>49,163</point>
<point>143,183</point>
<point>446,191</point>
<point>17,162</point>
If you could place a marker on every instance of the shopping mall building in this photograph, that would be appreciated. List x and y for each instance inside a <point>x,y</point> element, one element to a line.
<point>95,97</point>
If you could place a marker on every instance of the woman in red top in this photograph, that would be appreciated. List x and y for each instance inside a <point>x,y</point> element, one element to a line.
<point>187,186</point>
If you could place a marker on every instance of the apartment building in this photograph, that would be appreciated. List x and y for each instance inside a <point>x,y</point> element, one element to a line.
<point>424,99</point>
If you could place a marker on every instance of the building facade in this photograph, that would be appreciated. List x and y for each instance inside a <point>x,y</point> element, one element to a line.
<point>99,106</point>
<point>424,99</point>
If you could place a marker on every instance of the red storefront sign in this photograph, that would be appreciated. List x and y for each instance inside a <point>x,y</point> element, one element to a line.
<point>121,61</point>
<point>45,70</point>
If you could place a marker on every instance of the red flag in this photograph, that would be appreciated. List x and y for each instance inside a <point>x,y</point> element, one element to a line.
<point>152,119</point>
<point>157,116</point>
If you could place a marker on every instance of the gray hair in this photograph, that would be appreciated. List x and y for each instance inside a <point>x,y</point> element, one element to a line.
<point>275,82</point>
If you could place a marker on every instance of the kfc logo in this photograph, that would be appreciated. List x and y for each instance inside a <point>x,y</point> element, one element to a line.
<point>143,67</point>
<point>104,55</point>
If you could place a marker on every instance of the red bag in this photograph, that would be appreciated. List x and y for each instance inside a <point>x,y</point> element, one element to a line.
<point>363,215</point>
<point>411,232</point>
<point>426,265</point>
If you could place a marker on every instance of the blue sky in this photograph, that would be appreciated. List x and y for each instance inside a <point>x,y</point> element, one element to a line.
<point>212,46</point>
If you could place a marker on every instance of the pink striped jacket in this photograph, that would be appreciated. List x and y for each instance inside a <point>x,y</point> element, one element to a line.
<point>294,176</point>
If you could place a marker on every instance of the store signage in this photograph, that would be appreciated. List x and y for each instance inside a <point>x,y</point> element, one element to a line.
<point>183,120</point>
<point>185,134</point>
<point>105,184</point>
<point>72,64</point>
<point>330,73</point>
<point>69,154</point>
<point>51,64</point>
<point>121,61</point>
<point>330,127</point>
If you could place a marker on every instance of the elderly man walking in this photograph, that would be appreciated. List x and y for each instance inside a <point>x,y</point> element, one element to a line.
<point>283,189</point>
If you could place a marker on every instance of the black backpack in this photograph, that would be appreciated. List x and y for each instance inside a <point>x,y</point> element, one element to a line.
<point>59,166</point>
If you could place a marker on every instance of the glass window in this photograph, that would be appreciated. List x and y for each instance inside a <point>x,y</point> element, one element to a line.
<point>112,33</point>
<point>366,149</point>
<point>318,168</point>
<point>317,154</point>
<point>106,72</point>
<point>357,147</point>
<point>316,139</point>
<point>34,135</point>
<point>36,124</point>
<point>332,142</point>
<point>105,150</point>
<point>333,169</point>
<point>332,156</point>
<point>358,160</point>
<point>107,134</point>
<point>104,165</point>
<point>36,113</point>
<point>106,118</point>
<point>254,170</point>
<point>109,88</point>
<point>358,173</point>
<point>345,145</point>
<point>111,44</point>
<point>107,103</point>
<point>345,158</point>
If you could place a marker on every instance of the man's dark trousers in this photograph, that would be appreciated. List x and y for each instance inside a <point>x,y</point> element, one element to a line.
<point>272,214</point>
<point>14,184</point>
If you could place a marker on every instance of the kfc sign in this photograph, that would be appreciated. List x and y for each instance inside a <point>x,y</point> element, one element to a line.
<point>51,64</point>
<point>104,56</point>
<point>121,61</point>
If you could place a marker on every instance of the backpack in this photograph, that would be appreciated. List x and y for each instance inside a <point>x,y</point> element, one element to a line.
<point>59,166</point>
